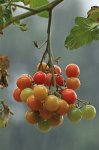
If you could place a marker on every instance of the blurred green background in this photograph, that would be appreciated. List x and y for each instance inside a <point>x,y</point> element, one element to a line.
<point>24,56</point>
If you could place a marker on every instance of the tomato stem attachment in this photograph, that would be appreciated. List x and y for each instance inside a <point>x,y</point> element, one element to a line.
<point>83,101</point>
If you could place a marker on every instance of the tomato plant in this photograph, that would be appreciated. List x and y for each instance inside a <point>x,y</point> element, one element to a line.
<point>48,95</point>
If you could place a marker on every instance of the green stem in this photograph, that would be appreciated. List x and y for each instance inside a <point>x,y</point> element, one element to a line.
<point>48,47</point>
<point>33,12</point>
<point>43,57</point>
<point>83,101</point>
<point>26,8</point>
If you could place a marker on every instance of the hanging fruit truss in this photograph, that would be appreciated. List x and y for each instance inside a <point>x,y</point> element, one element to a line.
<point>49,96</point>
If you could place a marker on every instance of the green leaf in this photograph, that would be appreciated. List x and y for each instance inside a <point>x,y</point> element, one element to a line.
<point>96,34</point>
<point>39,3</point>
<point>84,32</point>
<point>1,19</point>
<point>16,0</point>
<point>7,14</point>
<point>2,1</point>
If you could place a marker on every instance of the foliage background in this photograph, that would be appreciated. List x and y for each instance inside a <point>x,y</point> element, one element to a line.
<point>24,56</point>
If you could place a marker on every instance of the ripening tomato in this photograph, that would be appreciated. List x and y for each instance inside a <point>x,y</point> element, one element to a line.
<point>73,83</point>
<point>40,92</point>
<point>26,75</point>
<point>57,69</point>
<point>43,125</point>
<point>69,96</point>
<point>51,103</point>
<point>74,114</point>
<point>59,79</point>
<point>16,94</point>
<point>56,120</point>
<point>31,117</point>
<point>45,114</point>
<point>49,81</point>
<point>63,107</point>
<point>42,67</point>
<point>72,70</point>
<point>25,94</point>
<point>39,77</point>
<point>33,103</point>
<point>24,81</point>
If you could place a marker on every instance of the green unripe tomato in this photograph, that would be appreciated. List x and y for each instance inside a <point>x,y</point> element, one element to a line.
<point>88,112</point>
<point>25,94</point>
<point>74,114</point>
<point>43,125</point>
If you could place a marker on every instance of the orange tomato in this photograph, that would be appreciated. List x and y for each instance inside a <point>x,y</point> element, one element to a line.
<point>51,103</point>
<point>31,117</point>
<point>73,83</point>
<point>56,120</point>
<point>33,103</point>
<point>63,107</point>
<point>40,92</point>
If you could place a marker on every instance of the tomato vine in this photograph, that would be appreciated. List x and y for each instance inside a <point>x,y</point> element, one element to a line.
<point>84,32</point>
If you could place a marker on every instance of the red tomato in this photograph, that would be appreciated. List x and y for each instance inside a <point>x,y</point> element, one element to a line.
<point>24,81</point>
<point>72,70</point>
<point>49,80</point>
<point>57,69</point>
<point>39,77</point>
<point>59,79</point>
<point>16,94</point>
<point>69,96</point>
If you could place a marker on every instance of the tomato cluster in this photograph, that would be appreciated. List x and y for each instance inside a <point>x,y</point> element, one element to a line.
<point>50,97</point>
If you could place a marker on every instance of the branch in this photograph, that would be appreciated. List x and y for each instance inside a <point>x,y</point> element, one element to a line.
<point>32,12</point>
<point>43,8</point>
<point>48,48</point>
